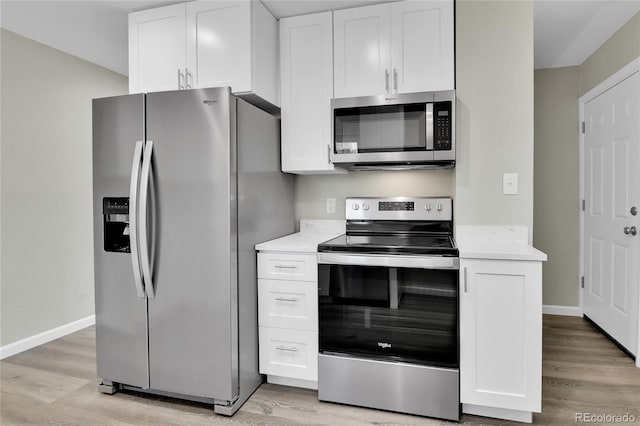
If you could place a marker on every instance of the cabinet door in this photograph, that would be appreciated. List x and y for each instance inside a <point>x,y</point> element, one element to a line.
<point>306,70</point>
<point>501,334</point>
<point>156,49</point>
<point>422,52</point>
<point>219,44</point>
<point>288,353</point>
<point>361,51</point>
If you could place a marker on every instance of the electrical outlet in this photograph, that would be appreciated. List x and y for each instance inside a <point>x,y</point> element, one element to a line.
<point>510,184</point>
<point>331,205</point>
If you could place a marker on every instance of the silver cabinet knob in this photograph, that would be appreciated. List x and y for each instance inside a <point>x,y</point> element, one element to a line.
<point>427,207</point>
<point>439,207</point>
<point>355,206</point>
<point>630,230</point>
<point>365,206</point>
<point>633,211</point>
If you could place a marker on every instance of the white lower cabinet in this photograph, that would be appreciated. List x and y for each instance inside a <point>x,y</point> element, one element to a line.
<point>501,338</point>
<point>289,353</point>
<point>288,318</point>
<point>288,304</point>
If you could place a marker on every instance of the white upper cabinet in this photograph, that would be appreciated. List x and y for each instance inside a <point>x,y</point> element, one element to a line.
<point>306,70</point>
<point>156,48</point>
<point>361,50</point>
<point>219,44</point>
<point>208,43</point>
<point>394,48</point>
<point>422,53</point>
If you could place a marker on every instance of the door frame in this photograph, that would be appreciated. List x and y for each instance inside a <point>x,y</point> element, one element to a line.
<point>617,77</point>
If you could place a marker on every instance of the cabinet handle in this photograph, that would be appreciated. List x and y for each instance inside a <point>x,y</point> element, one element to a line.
<point>395,80</point>
<point>287,299</point>
<point>188,77</point>
<point>287,348</point>
<point>285,267</point>
<point>386,80</point>
<point>180,78</point>
<point>464,271</point>
<point>328,153</point>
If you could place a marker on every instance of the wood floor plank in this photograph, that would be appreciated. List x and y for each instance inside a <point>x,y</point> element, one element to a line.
<point>56,384</point>
<point>36,385</point>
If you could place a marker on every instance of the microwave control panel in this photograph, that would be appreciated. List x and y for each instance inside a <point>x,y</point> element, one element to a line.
<point>442,126</point>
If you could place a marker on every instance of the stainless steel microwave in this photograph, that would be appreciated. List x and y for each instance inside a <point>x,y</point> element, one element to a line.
<point>403,131</point>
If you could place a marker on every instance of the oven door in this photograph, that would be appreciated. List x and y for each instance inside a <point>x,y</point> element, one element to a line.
<point>391,308</point>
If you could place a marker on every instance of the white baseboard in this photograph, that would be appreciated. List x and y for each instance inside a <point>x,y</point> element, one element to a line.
<point>296,383</point>
<point>46,336</point>
<point>498,413</point>
<point>569,311</point>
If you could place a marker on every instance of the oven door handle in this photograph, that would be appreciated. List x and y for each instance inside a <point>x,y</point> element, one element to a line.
<point>421,262</point>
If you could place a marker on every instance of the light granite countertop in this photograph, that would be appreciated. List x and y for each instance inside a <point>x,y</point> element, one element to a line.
<point>312,232</point>
<point>496,242</point>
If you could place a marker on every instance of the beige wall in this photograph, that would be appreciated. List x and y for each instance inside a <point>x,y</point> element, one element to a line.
<point>312,191</point>
<point>46,185</point>
<point>556,227</point>
<point>494,74</point>
<point>622,48</point>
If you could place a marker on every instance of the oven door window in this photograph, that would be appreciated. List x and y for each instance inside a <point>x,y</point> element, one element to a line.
<point>390,314</point>
<point>389,128</point>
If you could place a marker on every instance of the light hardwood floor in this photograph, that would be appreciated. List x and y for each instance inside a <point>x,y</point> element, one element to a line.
<point>56,384</point>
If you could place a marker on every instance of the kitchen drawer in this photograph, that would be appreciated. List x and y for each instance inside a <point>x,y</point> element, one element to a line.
<point>288,304</point>
<point>290,267</point>
<point>289,353</point>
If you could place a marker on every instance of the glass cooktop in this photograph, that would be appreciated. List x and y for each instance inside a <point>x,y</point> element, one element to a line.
<point>442,245</point>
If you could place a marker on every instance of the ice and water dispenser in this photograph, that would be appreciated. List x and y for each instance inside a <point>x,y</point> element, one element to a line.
<point>115,213</point>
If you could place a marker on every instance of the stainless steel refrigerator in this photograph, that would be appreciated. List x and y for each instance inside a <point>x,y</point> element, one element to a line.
<point>184,184</point>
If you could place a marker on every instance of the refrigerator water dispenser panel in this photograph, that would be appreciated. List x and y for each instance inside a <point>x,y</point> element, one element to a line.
<point>115,213</point>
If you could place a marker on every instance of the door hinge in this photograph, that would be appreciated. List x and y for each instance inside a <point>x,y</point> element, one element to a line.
<point>582,282</point>
<point>583,127</point>
<point>583,204</point>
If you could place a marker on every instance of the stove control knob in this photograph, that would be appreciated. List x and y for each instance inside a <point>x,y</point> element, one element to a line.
<point>365,206</point>
<point>427,207</point>
<point>355,206</point>
<point>439,207</point>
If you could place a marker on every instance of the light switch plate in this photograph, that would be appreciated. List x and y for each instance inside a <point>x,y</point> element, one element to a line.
<point>510,184</point>
<point>331,205</point>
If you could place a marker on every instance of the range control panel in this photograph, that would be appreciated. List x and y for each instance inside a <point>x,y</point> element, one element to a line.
<point>399,208</point>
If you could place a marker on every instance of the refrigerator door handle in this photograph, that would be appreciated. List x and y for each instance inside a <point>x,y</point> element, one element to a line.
<point>145,176</point>
<point>133,219</point>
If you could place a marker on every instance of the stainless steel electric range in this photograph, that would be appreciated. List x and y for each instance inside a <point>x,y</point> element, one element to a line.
<point>388,308</point>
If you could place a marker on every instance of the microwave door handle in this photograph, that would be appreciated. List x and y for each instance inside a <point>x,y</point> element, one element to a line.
<point>386,80</point>
<point>429,121</point>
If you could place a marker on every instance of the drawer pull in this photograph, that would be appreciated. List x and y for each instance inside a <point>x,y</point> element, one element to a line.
<point>287,348</point>
<point>287,299</point>
<point>285,266</point>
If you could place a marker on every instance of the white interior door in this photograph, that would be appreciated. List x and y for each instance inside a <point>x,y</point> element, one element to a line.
<point>612,193</point>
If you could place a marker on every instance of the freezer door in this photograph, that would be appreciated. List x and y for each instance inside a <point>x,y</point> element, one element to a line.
<point>193,347</point>
<point>121,316</point>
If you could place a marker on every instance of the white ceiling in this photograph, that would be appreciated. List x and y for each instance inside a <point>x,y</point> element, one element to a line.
<point>566,31</point>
